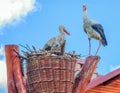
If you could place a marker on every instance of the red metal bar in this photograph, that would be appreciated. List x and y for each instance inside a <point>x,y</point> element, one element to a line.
<point>14,75</point>
<point>85,75</point>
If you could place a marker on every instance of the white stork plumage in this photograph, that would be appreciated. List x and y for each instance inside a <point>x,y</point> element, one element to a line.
<point>93,30</point>
<point>56,42</point>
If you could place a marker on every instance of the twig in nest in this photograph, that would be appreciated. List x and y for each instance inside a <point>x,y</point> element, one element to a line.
<point>26,47</point>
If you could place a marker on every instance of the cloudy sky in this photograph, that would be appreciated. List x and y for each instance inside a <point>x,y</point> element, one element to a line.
<point>34,22</point>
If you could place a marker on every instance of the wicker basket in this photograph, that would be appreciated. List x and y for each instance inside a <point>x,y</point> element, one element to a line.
<point>50,74</point>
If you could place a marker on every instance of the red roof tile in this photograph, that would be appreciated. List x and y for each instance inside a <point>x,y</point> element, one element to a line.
<point>101,79</point>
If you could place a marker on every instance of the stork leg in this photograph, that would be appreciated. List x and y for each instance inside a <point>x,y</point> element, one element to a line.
<point>98,48</point>
<point>89,53</point>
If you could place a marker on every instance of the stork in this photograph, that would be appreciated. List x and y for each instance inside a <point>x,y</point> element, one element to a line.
<point>55,43</point>
<point>93,30</point>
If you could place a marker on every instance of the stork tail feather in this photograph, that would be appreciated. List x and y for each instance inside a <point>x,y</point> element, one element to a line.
<point>104,42</point>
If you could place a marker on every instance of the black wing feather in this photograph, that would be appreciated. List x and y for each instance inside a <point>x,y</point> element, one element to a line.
<point>100,30</point>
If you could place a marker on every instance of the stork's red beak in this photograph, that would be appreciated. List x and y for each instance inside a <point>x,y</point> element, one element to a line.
<point>66,32</point>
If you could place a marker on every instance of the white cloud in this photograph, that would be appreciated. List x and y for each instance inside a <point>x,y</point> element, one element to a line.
<point>1,50</point>
<point>14,10</point>
<point>112,68</point>
<point>3,73</point>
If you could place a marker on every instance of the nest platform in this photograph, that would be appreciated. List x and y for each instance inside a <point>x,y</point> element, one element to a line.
<point>50,74</point>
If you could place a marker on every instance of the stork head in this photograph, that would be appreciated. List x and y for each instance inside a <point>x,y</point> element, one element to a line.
<point>84,7</point>
<point>63,30</point>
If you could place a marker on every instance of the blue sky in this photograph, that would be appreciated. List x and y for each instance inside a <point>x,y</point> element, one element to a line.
<point>37,25</point>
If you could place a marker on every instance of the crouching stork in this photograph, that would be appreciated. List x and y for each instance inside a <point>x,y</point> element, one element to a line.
<point>56,43</point>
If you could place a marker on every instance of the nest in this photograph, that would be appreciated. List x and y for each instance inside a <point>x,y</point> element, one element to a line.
<point>50,74</point>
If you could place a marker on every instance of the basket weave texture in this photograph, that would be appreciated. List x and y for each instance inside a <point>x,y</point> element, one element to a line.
<point>50,74</point>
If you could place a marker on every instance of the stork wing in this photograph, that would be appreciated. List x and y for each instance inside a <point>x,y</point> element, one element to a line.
<point>100,30</point>
<point>84,27</point>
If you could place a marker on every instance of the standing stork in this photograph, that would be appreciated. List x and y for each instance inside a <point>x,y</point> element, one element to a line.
<point>93,30</point>
<point>57,42</point>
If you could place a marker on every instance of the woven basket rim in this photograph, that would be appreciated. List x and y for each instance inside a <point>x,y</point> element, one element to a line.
<point>57,57</point>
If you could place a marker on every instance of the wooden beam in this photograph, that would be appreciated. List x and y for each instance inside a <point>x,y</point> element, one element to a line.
<point>15,81</point>
<point>85,75</point>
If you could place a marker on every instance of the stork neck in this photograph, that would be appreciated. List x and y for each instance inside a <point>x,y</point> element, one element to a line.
<point>61,36</point>
<point>85,16</point>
